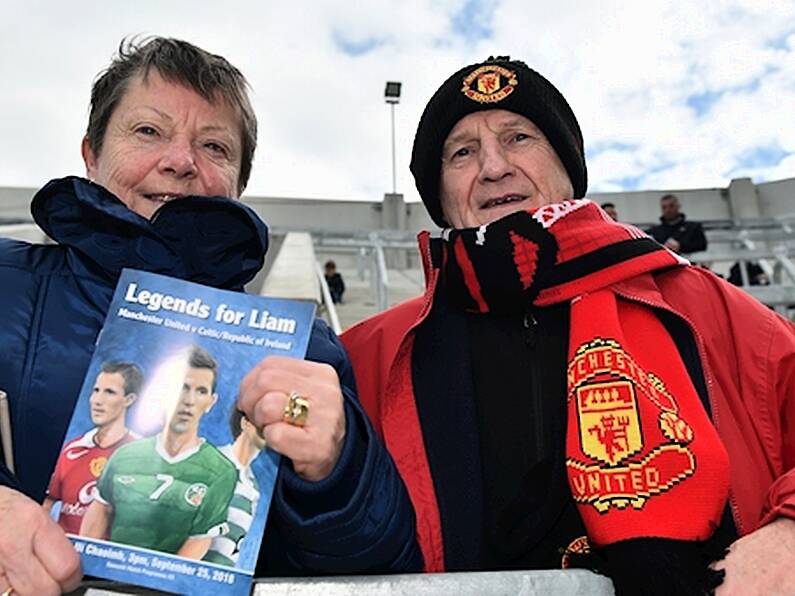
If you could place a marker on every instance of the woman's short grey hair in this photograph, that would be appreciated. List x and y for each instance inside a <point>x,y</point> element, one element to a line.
<point>177,61</point>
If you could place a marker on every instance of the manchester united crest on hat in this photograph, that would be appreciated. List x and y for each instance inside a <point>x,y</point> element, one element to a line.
<point>489,83</point>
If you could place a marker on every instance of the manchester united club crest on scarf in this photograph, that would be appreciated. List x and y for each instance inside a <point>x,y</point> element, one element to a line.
<point>609,422</point>
<point>489,84</point>
<point>604,382</point>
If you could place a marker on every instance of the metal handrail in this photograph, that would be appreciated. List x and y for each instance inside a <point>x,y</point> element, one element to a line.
<point>380,278</point>
<point>5,432</point>
<point>786,263</point>
<point>331,308</point>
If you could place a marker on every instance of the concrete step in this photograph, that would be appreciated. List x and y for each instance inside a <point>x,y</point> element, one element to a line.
<point>359,303</point>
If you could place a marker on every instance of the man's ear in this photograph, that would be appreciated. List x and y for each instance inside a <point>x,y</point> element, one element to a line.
<point>129,399</point>
<point>212,404</point>
<point>88,158</point>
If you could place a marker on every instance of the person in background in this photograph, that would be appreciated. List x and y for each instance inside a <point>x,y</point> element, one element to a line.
<point>336,285</point>
<point>171,132</point>
<point>568,391</point>
<point>756,275</point>
<point>610,209</point>
<point>674,231</point>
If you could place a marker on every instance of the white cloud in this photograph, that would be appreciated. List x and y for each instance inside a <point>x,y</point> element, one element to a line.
<point>627,68</point>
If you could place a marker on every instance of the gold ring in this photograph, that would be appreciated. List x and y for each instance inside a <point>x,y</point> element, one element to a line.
<point>297,410</point>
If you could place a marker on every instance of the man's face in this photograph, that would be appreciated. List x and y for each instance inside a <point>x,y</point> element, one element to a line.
<point>163,142</point>
<point>495,163</point>
<point>669,208</point>
<point>195,399</point>
<point>611,211</point>
<point>108,402</point>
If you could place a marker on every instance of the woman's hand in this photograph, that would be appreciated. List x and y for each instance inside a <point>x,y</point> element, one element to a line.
<point>315,447</point>
<point>36,557</point>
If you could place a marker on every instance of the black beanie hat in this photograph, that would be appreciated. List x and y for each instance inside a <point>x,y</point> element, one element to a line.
<point>496,84</point>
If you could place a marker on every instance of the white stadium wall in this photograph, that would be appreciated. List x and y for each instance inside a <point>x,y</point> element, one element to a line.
<point>741,199</point>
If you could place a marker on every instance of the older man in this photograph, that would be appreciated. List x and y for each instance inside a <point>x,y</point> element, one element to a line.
<point>170,140</point>
<point>568,391</point>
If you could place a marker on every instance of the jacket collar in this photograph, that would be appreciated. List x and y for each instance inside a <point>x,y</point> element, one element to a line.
<point>680,219</point>
<point>208,240</point>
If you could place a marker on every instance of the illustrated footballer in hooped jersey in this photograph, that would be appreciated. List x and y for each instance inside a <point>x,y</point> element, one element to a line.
<point>246,446</point>
<point>82,460</point>
<point>170,492</point>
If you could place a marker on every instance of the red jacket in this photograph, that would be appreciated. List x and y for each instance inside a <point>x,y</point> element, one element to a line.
<point>748,358</point>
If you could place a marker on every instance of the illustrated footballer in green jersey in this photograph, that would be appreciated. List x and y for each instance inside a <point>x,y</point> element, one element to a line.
<point>160,501</point>
<point>171,492</point>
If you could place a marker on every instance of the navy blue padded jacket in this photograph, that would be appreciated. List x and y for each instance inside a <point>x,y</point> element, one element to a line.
<point>54,298</point>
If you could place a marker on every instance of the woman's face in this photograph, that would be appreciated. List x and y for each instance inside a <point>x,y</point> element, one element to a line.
<point>165,142</point>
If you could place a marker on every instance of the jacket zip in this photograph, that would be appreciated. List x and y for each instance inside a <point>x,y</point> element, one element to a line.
<point>530,332</point>
<point>707,377</point>
<point>530,325</point>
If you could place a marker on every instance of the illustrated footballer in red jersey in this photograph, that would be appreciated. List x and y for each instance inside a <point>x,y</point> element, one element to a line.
<point>83,459</point>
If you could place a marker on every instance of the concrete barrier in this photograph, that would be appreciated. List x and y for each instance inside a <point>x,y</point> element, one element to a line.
<point>28,232</point>
<point>292,274</point>
<point>522,583</point>
<point>575,582</point>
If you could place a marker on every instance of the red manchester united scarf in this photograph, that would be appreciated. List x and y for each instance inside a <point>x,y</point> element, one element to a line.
<point>643,459</point>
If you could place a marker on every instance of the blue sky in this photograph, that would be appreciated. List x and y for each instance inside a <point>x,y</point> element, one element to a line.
<point>669,95</point>
<point>473,20</point>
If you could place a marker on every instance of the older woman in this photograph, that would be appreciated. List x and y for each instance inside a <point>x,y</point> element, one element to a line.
<point>171,132</point>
